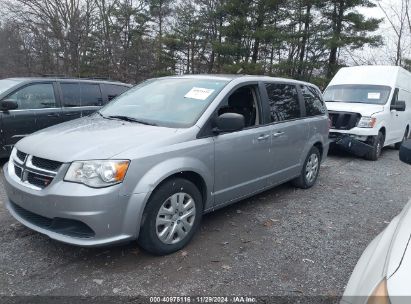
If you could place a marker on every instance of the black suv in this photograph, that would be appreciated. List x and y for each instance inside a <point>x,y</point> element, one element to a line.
<point>31,104</point>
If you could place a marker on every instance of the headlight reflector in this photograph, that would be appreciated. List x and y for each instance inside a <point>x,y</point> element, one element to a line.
<point>97,173</point>
<point>367,122</point>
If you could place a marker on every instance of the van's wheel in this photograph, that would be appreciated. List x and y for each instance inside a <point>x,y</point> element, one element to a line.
<point>398,145</point>
<point>310,170</point>
<point>377,145</point>
<point>171,217</point>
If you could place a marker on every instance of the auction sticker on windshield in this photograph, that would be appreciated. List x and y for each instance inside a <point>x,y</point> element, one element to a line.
<point>374,95</point>
<point>199,93</point>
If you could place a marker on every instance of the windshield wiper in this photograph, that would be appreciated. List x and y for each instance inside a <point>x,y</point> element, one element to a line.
<point>99,113</point>
<point>131,119</point>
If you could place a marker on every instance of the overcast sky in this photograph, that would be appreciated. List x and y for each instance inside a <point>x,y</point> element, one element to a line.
<point>386,53</point>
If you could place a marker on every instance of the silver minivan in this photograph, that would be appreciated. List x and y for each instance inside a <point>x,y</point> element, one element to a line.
<point>149,164</point>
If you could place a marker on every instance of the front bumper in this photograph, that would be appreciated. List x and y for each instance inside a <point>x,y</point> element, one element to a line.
<point>350,144</point>
<point>74,213</point>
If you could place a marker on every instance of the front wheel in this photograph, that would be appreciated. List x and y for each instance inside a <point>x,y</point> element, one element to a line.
<point>171,217</point>
<point>377,145</point>
<point>310,170</point>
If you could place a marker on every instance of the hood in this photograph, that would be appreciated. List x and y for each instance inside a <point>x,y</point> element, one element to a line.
<point>91,138</point>
<point>363,108</point>
<point>399,260</point>
<point>387,256</point>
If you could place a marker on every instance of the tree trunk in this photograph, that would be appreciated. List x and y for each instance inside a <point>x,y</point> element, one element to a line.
<point>304,40</point>
<point>337,28</point>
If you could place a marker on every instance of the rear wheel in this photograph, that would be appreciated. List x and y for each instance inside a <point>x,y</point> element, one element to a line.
<point>405,137</point>
<point>310,170</point>
<point>172,216</point>
<point>377,145</point>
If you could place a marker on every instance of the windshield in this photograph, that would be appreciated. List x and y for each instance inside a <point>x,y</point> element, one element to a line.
<point>168,102</point>
<point>371,94</point>
<point>6,84</point>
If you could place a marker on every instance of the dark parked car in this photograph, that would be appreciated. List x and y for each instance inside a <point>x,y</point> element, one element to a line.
<point>30,104</point>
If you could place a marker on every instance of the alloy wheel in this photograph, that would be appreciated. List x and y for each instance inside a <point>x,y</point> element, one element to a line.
<point>311,168</point>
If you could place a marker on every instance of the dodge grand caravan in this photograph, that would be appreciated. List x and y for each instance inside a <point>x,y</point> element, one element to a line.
<point>149,164</point>
<point>30,104</point>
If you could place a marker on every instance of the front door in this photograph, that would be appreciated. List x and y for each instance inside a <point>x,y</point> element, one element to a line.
<point>37,109</point>
<point>397,125</point>
<point>242,159</point>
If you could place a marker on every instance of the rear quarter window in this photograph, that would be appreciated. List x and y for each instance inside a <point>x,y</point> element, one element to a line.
<point>113,90</point>
<point>314,104</point>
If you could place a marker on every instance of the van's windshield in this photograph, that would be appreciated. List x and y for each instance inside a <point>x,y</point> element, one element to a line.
<point>168,102</point>
<point>358,93</point>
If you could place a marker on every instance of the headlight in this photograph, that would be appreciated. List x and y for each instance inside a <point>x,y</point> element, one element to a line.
<point>367,122</point>
<point>380,294</point>
<point>97,173</point>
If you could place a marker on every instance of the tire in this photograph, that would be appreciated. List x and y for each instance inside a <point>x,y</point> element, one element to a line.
<point>378,144</point>
<point>166,226</point>
<point>305,180</point>
<point>398,145</point>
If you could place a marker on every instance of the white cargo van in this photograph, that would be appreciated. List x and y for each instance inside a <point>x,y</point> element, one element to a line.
<point>369,108</point>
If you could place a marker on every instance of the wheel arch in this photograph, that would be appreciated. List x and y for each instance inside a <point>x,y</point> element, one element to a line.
<point>191,176</point>
<point>320,148</point>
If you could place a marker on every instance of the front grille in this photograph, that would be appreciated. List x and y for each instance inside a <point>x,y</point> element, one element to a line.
<point>21,156</point>
<point>344,120</point>
<point>47,164</point>
<point>39,180</point>
<point>35,171</point>
<point>64,226</point>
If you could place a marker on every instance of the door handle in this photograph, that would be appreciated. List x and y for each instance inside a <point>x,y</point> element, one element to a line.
<point>278,134</point>
<point>70,114</point>
<point>263,137</point>
<point>53,115</point>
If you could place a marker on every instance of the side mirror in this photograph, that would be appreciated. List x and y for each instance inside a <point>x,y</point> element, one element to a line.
<point>399,106</point>
<point>229,122</point>
<point>7,105</point>
<point>405,152</point>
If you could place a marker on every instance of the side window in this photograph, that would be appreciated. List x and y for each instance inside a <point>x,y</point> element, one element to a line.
<point>283,101</point>
<point>81,94</point>
<point>113,90</point>
<point>36,96</point>
<point>90,94</point>
<point>243,101</point>
<point>71,94</point>
<point>314,104</point>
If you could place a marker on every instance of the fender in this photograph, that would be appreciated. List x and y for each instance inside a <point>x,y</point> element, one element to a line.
<point>169,167</point>
<point>316,138</point>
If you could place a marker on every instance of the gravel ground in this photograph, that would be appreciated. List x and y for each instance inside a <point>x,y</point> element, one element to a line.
<point>282,242</point>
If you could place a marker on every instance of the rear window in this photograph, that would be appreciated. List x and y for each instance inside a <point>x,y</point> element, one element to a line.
<point>112,90</point>
<point>81,94</point>
<point>283,101</point>
<point>314,104</point>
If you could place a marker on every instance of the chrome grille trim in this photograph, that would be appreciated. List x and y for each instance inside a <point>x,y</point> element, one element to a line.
<point>27,167</point>
<point>30,165</point>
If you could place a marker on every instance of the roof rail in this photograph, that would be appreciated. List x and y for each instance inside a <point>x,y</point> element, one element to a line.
<point>54,76</point>
<point>80,78</point>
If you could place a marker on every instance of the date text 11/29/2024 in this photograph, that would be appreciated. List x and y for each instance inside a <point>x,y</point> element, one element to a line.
<point>203,299</point>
